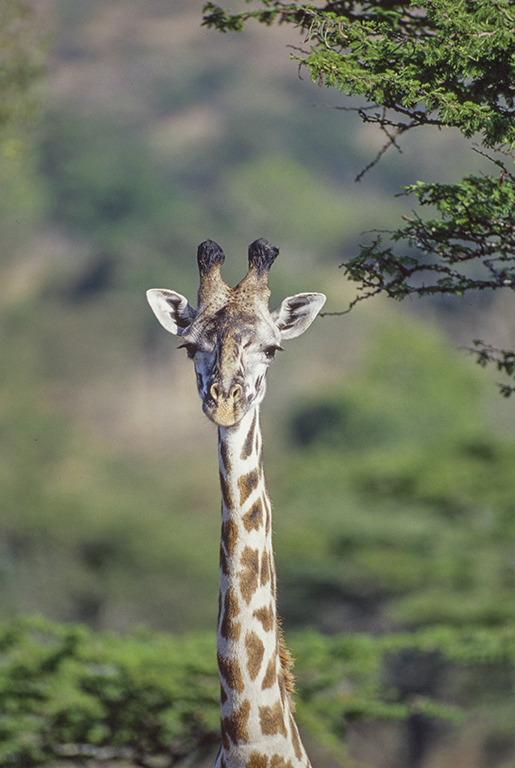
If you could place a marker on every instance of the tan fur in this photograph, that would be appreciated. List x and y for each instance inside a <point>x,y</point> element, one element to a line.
<point>286,660</point>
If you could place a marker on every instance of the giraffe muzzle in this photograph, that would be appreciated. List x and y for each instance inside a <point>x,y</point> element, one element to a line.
<point>222,406</point>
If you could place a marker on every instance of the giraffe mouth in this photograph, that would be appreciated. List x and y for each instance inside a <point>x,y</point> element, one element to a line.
<point>223,413</point>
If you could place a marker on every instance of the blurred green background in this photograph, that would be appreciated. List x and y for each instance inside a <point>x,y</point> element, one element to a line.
<point>389,454</point>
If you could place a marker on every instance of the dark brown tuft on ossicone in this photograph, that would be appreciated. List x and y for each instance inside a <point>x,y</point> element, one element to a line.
<point>262,255</point>
<point>209,254</point>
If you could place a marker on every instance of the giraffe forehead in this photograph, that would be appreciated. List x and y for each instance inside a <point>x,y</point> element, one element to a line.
<point>234,326</point>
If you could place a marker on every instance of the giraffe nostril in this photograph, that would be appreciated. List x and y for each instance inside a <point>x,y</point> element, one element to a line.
<point>236,393</point>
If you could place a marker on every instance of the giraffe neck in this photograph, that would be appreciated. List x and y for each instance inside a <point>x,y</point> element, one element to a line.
<point>258,730</point>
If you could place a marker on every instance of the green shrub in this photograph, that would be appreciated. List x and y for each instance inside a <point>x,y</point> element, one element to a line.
<point>65,691</point>
<point>152,698</point>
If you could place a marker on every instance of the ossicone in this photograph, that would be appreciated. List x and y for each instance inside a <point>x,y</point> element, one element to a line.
<point>209,255</point>
<point>261,256</point>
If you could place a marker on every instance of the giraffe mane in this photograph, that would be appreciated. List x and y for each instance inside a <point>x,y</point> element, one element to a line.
<point>286,660</point>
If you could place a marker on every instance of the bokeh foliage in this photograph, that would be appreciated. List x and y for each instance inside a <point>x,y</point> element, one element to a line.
<point>150,698</point>
<point>416,503</point>
<point>67,693</point>
<point>415,485</point>
<point>22,51</point>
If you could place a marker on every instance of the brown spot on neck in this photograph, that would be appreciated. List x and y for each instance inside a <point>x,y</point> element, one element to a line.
<point>247,483</point>
<point>229,536</point>
<point>249,573</point>
<point>253,519</point>
<point>295,738</point>
<point>255,653</point>
<point>271,720</point>
<point>224,453</point>
<point>223,561</point>
<point>248,444</point>
<point>229,628</point>
<point>230,671</point>
<point>277,761</point>
<point>257,760</point>
<point>226,493</point>
<point>270,675</point>
<point>234,727</point>
<point>265,568</point>
<point>266,617</point>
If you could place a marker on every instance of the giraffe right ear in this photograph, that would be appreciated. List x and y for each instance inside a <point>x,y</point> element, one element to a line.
<point>296,313</point>
<point>173,310</point>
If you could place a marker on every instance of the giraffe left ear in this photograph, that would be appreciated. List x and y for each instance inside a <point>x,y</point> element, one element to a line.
<point>173,310</point>
<point>296,313</point>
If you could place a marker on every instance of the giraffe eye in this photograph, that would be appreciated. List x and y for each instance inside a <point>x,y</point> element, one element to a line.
<point>190,348</point>
<point>270,351</point>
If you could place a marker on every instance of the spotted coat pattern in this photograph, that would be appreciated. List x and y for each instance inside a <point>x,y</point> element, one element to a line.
<point>232,337</point>
<point>258,728</point>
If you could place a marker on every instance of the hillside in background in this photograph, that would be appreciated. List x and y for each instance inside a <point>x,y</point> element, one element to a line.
<point>389,453</point>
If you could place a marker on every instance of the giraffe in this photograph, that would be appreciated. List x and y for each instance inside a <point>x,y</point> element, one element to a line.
<point>232,338</point>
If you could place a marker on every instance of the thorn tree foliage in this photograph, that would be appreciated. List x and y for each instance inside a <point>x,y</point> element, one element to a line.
<point>443,63</point>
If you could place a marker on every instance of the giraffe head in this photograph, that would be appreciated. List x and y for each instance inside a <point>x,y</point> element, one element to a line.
<point>232,336</point>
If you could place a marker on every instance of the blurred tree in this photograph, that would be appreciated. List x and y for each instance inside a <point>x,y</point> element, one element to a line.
<point>150,699</point>
<point>416,491</point>
<point>21,63</point>
<point>427,63</point>
<point>397,511</point>
<point>101,180</point>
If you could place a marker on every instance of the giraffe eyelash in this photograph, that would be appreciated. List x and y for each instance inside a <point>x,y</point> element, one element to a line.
<point>191,349</point>
<point>270,351</point>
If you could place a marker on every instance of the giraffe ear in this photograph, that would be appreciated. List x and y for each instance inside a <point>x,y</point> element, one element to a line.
<point>173,310</point>
<point>296,313</point>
